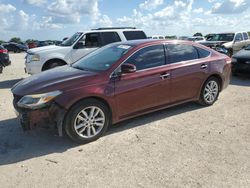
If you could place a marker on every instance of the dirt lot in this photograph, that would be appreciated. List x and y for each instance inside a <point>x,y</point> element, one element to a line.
<point>184,146</point>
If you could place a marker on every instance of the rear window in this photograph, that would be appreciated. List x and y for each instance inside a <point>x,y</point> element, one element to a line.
<point>110,37</point>
<point>134,35</point>
<point>245,36</point>
<point>1,47</point>
<point>181,52</point>
<point>202,52</point>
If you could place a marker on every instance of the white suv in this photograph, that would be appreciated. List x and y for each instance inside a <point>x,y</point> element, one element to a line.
<point>77,46</point>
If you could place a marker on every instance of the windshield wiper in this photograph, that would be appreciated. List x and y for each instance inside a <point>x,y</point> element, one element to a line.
<point>80,68</point>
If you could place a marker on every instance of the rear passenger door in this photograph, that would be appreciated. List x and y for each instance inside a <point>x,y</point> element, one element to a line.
<point>109,37</point>
<point>189,68</point>
<point>134,35</point>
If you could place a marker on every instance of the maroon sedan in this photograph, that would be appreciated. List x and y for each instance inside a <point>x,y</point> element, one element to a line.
<point>120,81</point>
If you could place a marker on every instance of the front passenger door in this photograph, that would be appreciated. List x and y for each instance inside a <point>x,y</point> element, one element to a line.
<point>88,43</point>
<point>146,88</point>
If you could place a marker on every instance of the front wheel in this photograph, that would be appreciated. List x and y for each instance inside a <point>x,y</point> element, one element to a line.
<point>87,121</point>
<point>210,92</point>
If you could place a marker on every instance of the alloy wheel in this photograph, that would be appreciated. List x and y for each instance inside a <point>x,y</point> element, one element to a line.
<point>211,91</point>
<point>89,122</point>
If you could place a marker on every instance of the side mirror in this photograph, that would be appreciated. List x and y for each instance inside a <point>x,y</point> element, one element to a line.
<point>128,68</point>
<point>79,45</point>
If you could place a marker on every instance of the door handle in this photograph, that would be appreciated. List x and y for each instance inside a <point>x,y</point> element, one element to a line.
<point>164,76</point>
<point>203,66</point>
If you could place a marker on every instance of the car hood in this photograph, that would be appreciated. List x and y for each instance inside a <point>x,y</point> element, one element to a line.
<point>242,54</point>
<point>61,78</point>
<point>45,48</point>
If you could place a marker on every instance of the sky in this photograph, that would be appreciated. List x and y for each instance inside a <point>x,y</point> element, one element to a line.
<point>56,19</point>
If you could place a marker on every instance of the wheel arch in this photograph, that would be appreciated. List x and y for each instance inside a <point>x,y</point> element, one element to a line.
<point>216,75</point>
<point>100,99</point>
<point>46,64</point>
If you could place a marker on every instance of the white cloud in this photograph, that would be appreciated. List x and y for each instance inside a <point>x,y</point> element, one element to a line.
<point>35,2</point>
<point>231,7</point>
<point>151,4</point>
<point>70,11</point>
<point>104,21</point>
<point>198,10</point>
<point>7,8</point>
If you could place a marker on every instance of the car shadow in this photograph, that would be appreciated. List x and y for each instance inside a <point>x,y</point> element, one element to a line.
<point>17,146</point>
<point>242,80</point>
<point>8,83</point>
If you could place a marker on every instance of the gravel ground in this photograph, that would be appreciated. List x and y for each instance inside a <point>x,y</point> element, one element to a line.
<point>184,146</point>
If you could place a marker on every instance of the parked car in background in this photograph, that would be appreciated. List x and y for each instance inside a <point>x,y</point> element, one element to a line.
<point>196,39</point>
<point>183,38</point>
<point>121,81</point>
<point>15,47</point>
<point>77,46</point>
<point>4,57</point>
<point>32,45</point>
<point>241,62</point>
<point>158,37</point>
<point>233,42</point>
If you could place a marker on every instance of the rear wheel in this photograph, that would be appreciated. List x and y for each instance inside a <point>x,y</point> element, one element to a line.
<point>210,92</point>
<point>87,121</point>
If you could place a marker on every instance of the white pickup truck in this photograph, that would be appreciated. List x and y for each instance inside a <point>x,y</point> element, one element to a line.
<point>232,42</point>
<point>77,46</point>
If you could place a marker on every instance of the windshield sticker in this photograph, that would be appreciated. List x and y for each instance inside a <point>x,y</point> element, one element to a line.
<point>124,47</point>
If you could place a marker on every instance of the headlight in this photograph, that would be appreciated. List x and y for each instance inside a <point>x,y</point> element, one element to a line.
<point>37,101</point>
<point>35,57</point>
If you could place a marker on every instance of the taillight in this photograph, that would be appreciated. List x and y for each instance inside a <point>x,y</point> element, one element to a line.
<point>4,51</point>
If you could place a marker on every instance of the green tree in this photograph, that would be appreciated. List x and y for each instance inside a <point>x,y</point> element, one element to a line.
<point>1,41</point>
<point>15,39</point>
<point>198,34</point>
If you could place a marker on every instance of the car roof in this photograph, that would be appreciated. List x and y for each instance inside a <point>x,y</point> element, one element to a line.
<point>145,42</point>
<point>108,30</point>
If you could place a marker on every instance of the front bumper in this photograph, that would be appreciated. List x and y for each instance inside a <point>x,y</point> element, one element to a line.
<point>33,67</point>
<point>52,115</point>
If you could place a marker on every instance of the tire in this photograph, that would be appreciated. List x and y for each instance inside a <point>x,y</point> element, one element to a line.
<point>52,65</point>
<point>210,92</point>
<point>79,125</point>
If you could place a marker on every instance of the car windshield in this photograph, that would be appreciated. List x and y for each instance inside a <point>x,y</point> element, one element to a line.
<point>103,58</point>
<point>222,37</point>
<point>70,41</point>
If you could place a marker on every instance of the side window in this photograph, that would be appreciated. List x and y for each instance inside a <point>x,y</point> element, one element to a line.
<point>245,36</point>
<point>202,52</point>
<point>149,57</point>
<point>238,37</point>
<point>110,37</point>
<point>134,35</point>
<point>92,40</point>
<point>181,52</point>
